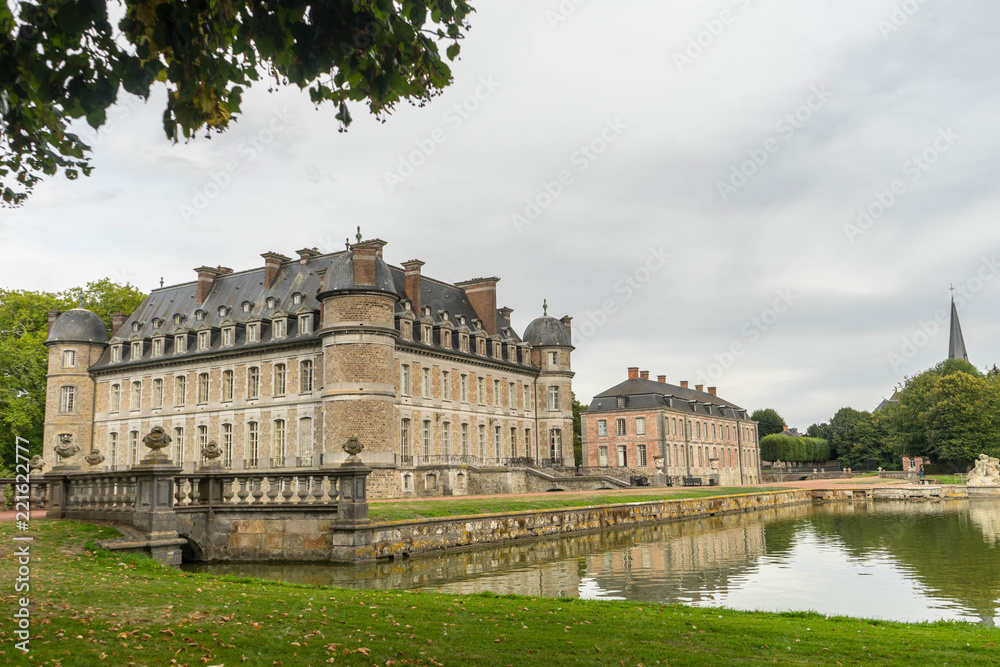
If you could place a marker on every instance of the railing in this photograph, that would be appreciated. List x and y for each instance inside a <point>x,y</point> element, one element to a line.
<point>38,492</point>
<point>101,492</point>
<point>260,489</point>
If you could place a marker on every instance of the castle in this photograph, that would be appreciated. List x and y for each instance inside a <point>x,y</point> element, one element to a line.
<point>280,365</point>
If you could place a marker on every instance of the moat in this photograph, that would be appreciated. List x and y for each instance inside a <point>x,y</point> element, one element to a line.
<point>907,561</point>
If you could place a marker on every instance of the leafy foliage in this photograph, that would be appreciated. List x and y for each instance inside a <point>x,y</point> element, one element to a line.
<point>63,59</point>
<point>777,447</point>
<point>578,409</point>
<point>24,357</point>
<point>768,421</point>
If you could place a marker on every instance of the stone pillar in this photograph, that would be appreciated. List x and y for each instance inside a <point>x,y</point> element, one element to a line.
<point>154,509</point>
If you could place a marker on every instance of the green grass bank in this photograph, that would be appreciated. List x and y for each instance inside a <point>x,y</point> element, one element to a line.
<point>93,607</point>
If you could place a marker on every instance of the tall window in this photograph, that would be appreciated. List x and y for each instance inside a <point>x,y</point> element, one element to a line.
<point>253,333</point>
<point>620,427</point>
<point>555,444</point>
<point>203,388</point>
<point>526,390</point>
<point>511,396</point>
<point>113,450</point>
<point>404,438</point>
<point>497,443</point>
<point>202,442</point>
<point>425,382</point>
<point>69,358</point>
<point>133,447</point>
<point>404,380</point>
<point>481,390</point>
<point>640,426</point>
<point>446,438</point>
<point>622,457</point>
<point>602,456</point>
<point>463,387</point>
<point>554,398</point>
<point>227,385</point>
<point>465,439</point>
<point>640,455</point>
<point>180,389</point>
<point>527,442</point>
<point>496,393</point>
<point>446,385</point>
<point>278,443</point>
<point>482,440</point>
<point>157,393</point>
<point>553,358</point>
<point>305,437</point>
<point>253,444</point>
<point>697,428</point>
<point>427,438</point>
<point>713,430</point>
<point>253,382</point>
<point>602,428</point>
<point>279,379</point>
<point>306,376</point>
<point>136,402</point>
<point>116,398</point>
<point>178,445</point>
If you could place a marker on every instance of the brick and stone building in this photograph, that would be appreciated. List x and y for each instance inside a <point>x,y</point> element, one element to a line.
<point>281,364</point>
<point>641,425</point>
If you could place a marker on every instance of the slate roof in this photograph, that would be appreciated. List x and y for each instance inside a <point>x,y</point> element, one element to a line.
<point>78,325</point>
<point>232,290</point>
<point>547,331</point>
<point>644,394</point>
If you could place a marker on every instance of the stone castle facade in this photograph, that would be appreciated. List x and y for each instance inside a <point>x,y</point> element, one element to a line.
<point>644,426</point>
<point>280,365</point>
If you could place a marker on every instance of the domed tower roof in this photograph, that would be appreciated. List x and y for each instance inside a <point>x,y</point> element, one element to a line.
<point>547,331</point>
<point>342,274</point>
<point>78,325</point>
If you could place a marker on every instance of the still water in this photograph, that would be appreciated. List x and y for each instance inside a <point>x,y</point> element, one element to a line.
<point>891,560</point>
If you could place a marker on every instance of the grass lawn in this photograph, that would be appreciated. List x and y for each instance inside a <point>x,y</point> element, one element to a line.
<point>429,509</point>
<point>949,479</point>
<point>92,607</point>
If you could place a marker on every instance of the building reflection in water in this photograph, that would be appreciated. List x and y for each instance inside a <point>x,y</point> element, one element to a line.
<point>904,561</point>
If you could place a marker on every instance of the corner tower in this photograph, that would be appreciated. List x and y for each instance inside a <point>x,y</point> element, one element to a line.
<point>76,341</point>
<point>359,336</point>
<point>552,346</point>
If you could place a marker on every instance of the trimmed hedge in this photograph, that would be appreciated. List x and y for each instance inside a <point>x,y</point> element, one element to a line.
<point>777,447</point>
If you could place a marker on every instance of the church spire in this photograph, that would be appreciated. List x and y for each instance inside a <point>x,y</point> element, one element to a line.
<point>956,343</point>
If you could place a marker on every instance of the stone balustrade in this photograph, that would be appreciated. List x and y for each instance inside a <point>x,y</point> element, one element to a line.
<point>38,492</point>
<point>301,488</point>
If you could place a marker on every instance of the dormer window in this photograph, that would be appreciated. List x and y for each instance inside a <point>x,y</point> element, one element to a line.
<point>426,335</point>
<point>271,302</point>
<point>246,306</point>
<point>180,344</point>
<point>621,401</point>
<point>137,349</point>
<point>227,335</point>
<point>463,342</point>
<point>296,298</point>
<point>481,346</point>
<point>496,349</point>
<point>461,320</point>
<point>278,328</point>
<point>157,347</point>
<point>116,353</point>
<point>199,315</point>
<point>406,329</point>
<point>427,311</point>
<point>204,339</point>
<point>253,332</point>
<point>157,323</point>
<point>223,311</point>
<point>305,324</point>
<point>178,318</point>
<point>135,327</point>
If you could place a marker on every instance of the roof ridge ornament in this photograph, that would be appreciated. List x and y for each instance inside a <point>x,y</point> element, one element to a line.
<point>359,234</point>
<point>545,307</point>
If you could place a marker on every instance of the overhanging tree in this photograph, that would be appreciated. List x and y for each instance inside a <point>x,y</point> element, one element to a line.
<point>768,421</point>
<point>64,59</point>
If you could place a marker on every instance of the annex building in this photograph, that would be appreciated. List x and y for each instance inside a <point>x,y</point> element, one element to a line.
<point>281,364</point>
<point>644,425</point>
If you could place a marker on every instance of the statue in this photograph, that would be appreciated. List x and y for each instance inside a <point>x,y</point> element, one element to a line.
<point>156,440</point>
<point>353,447</point>
<point>66,447</point>
<point>986,472</point>
<point>211,452</point>
<point>36,464</point>
<point>94,458</point>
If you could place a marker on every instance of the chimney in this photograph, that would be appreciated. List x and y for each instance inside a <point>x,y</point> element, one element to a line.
<point>505,311</point>
<point>643,375</point>
<point>206,278</point>
<point>568,323</point>
<point>365,254</point>
<point>684,383</point>
<point>412,269</point>
<point>699,387</point>
<point>53,314</point>
<point>633,372</point>
<point>272,262</point>
<point>712,390</point>
<point>117,320</point>
<point>661,378</point>
<point>482,294</point>
<point>306,254</point>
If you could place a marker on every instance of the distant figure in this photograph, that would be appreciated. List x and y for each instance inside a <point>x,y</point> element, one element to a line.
<point>922,475</point>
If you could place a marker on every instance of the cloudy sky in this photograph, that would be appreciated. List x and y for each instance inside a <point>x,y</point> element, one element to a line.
<point>769,197</point>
